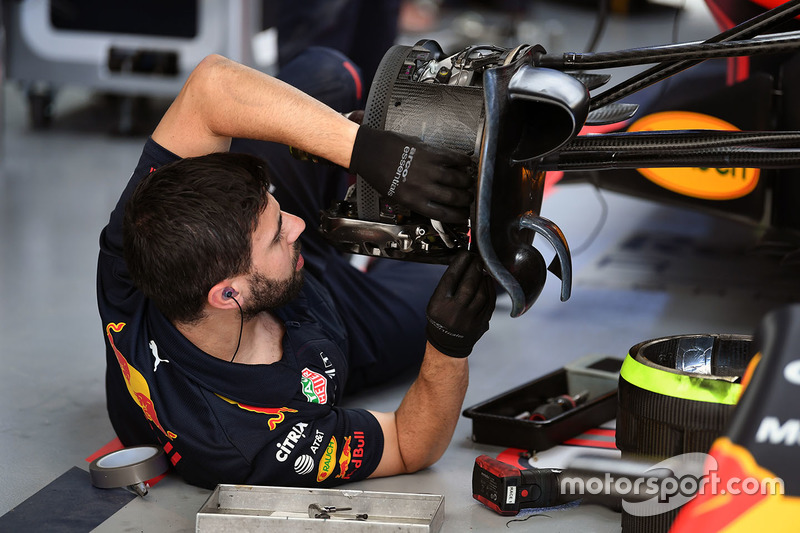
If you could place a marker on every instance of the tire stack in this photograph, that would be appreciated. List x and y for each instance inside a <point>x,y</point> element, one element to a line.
<point>676,395</point>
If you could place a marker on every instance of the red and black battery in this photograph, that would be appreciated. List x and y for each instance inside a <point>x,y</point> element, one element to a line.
<point>506,489</point>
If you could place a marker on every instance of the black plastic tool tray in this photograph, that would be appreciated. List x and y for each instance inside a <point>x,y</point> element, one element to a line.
<point>494,422</point>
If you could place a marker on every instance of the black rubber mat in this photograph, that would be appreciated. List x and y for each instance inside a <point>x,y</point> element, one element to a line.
<point>69,504</point>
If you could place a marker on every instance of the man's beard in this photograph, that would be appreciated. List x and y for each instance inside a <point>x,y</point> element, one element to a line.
<point>267,294</point>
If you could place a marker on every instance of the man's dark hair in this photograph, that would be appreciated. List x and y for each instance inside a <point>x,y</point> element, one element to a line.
<point>188,225</point>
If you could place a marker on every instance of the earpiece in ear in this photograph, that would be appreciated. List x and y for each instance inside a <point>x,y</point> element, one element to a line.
<point>228,293</point>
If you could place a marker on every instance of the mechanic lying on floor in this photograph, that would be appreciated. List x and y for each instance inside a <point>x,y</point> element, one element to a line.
<point>229,347</point>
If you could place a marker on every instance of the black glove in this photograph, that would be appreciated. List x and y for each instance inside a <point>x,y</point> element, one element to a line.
<point>429,180</point>
<point>461,306</point>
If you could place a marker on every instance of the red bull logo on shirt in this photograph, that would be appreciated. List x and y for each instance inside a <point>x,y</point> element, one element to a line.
<point>344,458</point>
<point>356,453</point>
<point>276,414</point>
<point>135,382</point>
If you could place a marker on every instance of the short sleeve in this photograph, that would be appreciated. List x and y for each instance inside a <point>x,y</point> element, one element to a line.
<point>343,445</point>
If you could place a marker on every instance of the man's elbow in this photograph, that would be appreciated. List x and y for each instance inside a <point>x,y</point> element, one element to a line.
<point>211,61</point>
<point>207,69</point>
<point>419,461</point>
<point>206,75</point>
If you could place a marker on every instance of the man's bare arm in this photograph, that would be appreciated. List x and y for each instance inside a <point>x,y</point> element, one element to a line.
<point>222,99</point>
<point>418,433</point>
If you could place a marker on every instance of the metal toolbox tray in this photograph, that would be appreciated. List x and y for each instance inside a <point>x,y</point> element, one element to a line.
<point>245,508</point>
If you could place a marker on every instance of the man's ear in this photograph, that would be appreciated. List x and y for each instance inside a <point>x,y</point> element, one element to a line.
<point>223,294</point>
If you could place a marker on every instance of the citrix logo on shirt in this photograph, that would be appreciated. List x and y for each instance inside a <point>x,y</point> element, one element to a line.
<point>285,448</point>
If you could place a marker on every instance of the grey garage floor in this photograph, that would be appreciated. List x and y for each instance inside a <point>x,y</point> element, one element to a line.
<point>58,185</point>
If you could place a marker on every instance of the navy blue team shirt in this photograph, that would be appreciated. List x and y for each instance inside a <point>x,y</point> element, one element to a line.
<point>222,422</point>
